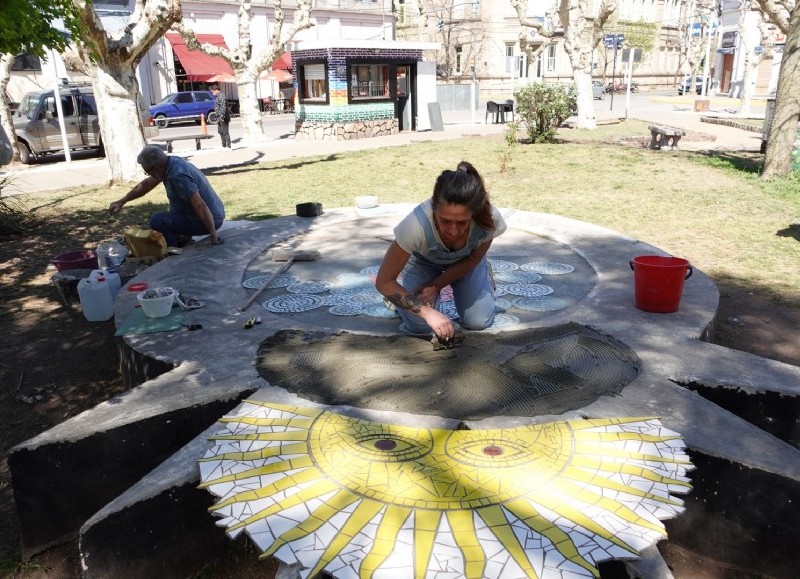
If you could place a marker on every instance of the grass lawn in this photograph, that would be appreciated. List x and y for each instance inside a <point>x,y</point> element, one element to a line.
<point>711,209</point>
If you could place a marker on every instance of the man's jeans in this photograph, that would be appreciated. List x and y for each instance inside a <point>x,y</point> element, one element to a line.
<point>175,225</point>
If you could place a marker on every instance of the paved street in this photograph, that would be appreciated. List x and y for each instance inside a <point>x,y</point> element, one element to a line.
<point>662,107</point>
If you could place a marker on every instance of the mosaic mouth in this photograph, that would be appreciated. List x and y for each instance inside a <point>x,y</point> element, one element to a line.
<point>516,373</point>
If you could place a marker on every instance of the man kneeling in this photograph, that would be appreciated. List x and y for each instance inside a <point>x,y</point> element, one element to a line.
<point>194,206</point>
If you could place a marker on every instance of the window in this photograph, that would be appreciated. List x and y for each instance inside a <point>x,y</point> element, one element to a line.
<point>511,62</point>
<point>66,106</point>
<point>202,97</point>
<point>313,82</point>
<point>183,98</point>
<point>551,58</point>
<point>26,62</point>
<point>87,105</point>
<point>369,81</point>
<point>459,59</point>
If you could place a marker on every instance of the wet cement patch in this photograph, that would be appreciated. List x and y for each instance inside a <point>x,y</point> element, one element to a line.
<point>521,373</point>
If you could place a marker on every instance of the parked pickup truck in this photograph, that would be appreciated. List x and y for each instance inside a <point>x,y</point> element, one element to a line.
<point>37,128</point>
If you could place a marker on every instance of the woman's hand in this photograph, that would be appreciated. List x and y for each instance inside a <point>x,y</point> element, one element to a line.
<point>427,295</point>
<point>439,323</point>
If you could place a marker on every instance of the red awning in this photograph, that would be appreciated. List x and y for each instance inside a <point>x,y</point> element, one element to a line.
<point>284,62</point>
<point>199,66</point>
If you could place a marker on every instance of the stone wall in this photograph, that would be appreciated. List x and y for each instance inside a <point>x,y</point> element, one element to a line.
<point>348,131</point>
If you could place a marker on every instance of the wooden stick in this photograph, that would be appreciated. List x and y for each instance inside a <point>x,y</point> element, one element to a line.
<point>264,285</point>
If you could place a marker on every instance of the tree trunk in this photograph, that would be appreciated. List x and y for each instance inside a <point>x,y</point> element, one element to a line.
<point>6,123</point>
<point>585,98</point>
<point>252,128</point>
<point>115,91</point>
<point>783,129</point>
<point>578,46</point>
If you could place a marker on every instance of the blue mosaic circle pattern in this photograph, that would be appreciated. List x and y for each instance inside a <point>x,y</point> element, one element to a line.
<point>529,289</point>
<point>292,303</point>
<point>517,276</point>
<point>502,265</point>
<point>548,267</point>
<point>501,304</point>
<point>282,280</point>
<point>348,309</point>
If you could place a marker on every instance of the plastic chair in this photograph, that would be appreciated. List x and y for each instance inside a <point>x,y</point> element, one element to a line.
<point>508,107</point>
<point>494,109</point>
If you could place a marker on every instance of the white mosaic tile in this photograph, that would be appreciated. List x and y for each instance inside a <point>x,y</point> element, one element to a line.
<point>517,276</point>
<point>502,265</point>
<point>292,303</point>
<point>347,484</point>
<point>528,289</point>
<point>281,280</point>
<point>548,268</point>
<point>349,309</point>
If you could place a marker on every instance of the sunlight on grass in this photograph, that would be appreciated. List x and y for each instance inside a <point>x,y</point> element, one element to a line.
<point>709,208</point>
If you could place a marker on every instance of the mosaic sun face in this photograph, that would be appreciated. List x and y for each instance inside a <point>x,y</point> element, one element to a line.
<point>363,499</point>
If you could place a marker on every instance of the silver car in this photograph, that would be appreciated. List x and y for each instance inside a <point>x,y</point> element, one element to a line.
<point>37,128</point>
<point>598,90</point>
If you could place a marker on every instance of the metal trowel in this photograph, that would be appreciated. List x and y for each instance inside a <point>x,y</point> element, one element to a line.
<point>447,343</point>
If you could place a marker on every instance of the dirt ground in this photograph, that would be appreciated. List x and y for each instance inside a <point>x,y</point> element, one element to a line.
<point>54,365</point>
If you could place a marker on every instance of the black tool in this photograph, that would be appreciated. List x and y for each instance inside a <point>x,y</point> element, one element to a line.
<point>193,327</point>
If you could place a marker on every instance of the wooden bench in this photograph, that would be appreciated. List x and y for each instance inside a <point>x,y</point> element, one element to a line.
<point>665,138</point>
<point>169,140</point>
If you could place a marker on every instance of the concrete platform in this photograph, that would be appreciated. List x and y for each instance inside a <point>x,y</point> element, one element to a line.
<point>215,367</point>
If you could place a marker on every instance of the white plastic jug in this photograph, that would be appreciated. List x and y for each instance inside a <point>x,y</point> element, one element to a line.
<point>112,277</point>
<point>97,302</point>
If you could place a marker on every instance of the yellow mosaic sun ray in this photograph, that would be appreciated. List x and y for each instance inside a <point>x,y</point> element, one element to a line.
<point>359,498</point>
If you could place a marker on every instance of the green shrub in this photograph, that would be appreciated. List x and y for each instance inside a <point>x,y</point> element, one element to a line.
<point>542,108</point>
<point>15,217</point>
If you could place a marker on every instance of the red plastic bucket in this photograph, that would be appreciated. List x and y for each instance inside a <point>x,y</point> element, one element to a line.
<point>658,282</point>
<point>79,259</point>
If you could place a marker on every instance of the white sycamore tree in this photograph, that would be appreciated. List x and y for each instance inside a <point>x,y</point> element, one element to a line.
<point>249,62</point>
<point>112,58</point>
<point>583,31</point>
<point>783,129</point>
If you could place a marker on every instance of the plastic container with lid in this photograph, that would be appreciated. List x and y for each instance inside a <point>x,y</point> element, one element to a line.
<point>111,276</point>
<point>96,298</point>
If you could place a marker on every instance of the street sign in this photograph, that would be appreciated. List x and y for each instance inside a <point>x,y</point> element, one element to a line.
<point>613,40</point>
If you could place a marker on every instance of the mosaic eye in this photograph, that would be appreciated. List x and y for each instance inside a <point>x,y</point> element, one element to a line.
<point>386,446</point>
<point>490,452</point>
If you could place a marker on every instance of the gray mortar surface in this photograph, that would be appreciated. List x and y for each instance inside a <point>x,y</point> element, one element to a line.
<point>220,359</point>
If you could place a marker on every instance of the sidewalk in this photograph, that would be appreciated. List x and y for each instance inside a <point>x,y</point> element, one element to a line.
<point>86,170</point>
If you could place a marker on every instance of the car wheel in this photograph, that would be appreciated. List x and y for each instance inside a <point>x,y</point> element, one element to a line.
<point>602,96</point>
<point>101,149</point>
<point>211,117</point>
<point>161,121</point>
<point>25,155</point>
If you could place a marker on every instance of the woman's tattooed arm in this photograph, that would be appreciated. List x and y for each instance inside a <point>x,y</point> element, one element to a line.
<point>410,302</point>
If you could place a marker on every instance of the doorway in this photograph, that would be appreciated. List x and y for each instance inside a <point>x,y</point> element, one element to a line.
<point>405,106</point>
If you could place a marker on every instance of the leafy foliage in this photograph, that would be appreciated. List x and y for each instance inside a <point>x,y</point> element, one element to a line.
<point>543,107</point>
<point>15,217</point>
<point>26,26</point>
